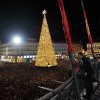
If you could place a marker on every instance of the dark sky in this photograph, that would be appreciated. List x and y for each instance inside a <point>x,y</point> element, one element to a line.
<point>24,18</point>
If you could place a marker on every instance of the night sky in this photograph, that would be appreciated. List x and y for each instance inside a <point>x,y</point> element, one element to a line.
<point>24,18</point>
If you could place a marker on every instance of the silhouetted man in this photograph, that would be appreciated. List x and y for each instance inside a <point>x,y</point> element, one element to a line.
<point>87,68</point>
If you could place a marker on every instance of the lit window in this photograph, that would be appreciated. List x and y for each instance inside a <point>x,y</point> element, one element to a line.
<point>28,56</point>
<point>24,56</point>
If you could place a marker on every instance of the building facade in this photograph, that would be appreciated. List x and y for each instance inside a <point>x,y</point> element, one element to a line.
<point>27,51</point>
<point>96,49</point>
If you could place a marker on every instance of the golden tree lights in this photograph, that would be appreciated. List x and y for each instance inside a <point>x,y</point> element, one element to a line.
<point>45,53</point>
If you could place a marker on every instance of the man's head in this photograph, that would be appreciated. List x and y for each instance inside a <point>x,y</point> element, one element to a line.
<point>80,54</point>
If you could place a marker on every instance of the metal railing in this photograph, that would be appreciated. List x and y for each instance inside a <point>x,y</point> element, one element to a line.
<point>68,90</point>
<point>63,92</point>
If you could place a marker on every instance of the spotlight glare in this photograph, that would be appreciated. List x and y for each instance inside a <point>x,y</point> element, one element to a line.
<point>17,40</point>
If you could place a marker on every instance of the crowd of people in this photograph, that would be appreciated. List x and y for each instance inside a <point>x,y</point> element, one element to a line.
<point>21,81</point>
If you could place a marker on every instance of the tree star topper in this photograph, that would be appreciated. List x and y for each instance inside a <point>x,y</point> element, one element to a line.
<point>44,12</point>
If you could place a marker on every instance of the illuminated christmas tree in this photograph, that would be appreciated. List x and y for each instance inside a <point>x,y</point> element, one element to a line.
<point>45,53</point>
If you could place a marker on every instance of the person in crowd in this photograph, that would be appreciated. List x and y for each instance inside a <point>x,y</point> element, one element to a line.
<point>88,72</point>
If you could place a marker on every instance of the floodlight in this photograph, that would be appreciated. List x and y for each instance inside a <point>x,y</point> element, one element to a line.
<point>17,40</point>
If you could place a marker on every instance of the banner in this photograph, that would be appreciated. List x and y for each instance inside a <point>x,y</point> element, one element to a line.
<point>65,26</point>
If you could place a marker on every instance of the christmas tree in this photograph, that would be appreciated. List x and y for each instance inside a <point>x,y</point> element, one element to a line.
<point>45,53</point>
